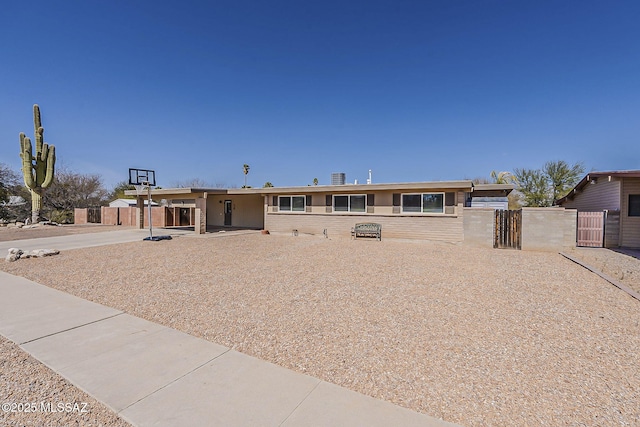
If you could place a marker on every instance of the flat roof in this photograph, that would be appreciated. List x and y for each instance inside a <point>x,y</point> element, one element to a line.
<point>463,185</point>
<point>358,188</point>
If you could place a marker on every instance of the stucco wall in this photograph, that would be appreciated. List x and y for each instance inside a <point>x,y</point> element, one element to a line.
<point>119,216</point>
<point>80,216</point>
<point>247,211</point>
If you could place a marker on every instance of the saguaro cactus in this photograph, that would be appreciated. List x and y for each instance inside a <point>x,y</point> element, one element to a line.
<point>37,170</point>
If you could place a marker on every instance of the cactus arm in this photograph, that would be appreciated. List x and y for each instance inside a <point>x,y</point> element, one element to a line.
<point>51,160</point>
<point>40,145</point>
<point>37,121</point>
<point>27,159</point>
<point>38,130</point>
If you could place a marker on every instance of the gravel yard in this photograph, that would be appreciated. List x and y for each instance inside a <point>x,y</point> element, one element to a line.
<point>619,266</point>
<point>473,336</point>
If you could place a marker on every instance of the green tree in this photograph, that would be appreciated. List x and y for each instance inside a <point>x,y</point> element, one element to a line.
<point>267,184</point>
<point>119,189</point>
<point>534,186</point>
<point>542,187</point>
<point>315,181</point>
<point>562,177</point>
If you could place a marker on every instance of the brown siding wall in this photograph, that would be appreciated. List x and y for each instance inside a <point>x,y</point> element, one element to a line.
<point>442,228</point>
<point>604,195</point>
<point>629,226</point>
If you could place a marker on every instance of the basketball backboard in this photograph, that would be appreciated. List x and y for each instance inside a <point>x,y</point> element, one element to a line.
<point>142,177</point>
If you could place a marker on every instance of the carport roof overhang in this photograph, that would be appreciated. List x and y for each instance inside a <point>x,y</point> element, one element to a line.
<point>465,185</point>
<point>177,193</point>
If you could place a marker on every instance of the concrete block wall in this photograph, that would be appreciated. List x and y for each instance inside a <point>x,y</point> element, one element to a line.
<point>478,227</point>
<point>548,229</point>
<point>543,229</point>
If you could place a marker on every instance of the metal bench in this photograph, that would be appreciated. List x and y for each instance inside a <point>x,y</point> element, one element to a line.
<point>367,229</point>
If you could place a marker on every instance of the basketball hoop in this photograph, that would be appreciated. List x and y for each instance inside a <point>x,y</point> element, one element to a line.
<point>144,179</point>
<point>140,188</point>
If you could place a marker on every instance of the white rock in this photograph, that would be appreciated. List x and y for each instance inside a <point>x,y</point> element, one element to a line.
<point>37,253</point>
<point>13,255</point>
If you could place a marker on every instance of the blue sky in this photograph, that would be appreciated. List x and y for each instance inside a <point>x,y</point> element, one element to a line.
<point>414,90</point>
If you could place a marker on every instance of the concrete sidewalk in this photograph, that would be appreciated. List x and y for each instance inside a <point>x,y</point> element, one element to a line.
<point>153,375</point>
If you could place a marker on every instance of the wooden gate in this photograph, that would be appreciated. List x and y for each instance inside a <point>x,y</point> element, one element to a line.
<point>591,229</point>
<point>507,231</point>
<point>93,215</point>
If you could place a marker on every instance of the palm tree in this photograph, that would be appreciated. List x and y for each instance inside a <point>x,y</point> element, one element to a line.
<point>245,169</point>
<point>315,181</point>
<point>267,184</point>
<point>501,177</point>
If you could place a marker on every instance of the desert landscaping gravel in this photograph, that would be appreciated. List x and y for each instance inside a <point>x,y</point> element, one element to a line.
<point>45,398</point>
<point>618,265</point>
<point>473,336</point>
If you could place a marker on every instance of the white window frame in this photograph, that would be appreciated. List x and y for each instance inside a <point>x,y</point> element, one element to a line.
<point>421,203</point>
<point>348,196</point>
<point>304,203</point>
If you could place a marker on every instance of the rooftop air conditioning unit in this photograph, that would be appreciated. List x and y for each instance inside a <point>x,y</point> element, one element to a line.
<point>338,178</point>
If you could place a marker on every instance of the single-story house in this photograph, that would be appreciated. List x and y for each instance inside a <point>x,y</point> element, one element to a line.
<point>617,194</point>
<point>422,210</point>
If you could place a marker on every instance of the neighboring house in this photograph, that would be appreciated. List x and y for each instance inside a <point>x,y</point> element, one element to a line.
<point>128,203</point>
<point>617,193</point>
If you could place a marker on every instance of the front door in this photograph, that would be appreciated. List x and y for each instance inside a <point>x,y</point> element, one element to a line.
<point>227,212</point>
<point>184,217</point>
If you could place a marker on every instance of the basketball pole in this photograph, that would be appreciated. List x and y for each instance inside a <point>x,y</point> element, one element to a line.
<point>149,209</point>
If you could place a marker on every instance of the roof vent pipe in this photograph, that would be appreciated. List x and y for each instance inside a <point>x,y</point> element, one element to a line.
<point>369,179</point>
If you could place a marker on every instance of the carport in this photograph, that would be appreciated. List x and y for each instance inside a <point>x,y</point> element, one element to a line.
<point>203,208</point>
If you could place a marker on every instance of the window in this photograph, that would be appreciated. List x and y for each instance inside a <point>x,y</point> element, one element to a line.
<point>291,203</point>
<point>424,203</point>
<point>634,204</point>
<point>350,203</point>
